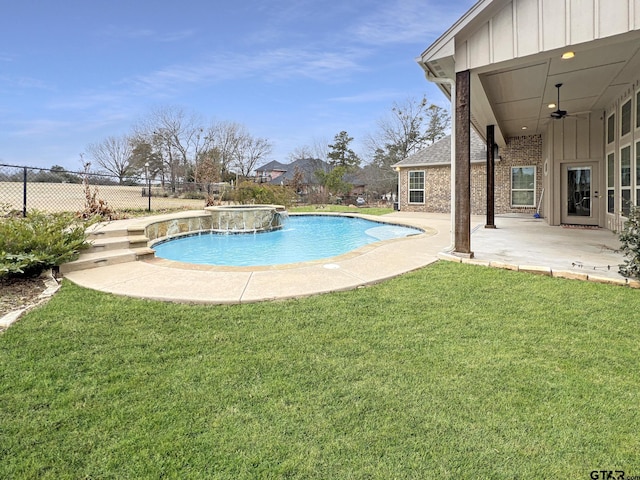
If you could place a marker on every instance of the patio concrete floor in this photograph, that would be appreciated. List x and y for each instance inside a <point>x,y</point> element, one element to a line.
<point>518,242</point>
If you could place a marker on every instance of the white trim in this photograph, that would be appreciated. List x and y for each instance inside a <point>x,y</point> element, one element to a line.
<point>423,190</point>
<point>623,188</point>
<point>535,184</point>
<point>629,101</point>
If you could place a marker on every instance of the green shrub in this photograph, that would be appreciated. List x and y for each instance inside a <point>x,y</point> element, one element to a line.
<point>630,239</point>
<point>40,241</point>
<point>194,195</point>
<point>250,192</point>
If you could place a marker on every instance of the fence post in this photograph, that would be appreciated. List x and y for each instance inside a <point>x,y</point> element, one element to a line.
<point>24,191</point>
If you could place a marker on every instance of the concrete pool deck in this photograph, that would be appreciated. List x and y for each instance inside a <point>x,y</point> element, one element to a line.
<point>518,242</point>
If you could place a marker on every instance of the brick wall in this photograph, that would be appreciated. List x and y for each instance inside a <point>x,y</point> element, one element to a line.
<point>524,151</point>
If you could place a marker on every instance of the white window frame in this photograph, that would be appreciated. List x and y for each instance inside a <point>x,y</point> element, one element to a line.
<point>611,129</point>
<point>611,182</point>
<point>626,113</point>
<point>624,206</point>
<point>410,190</point>
<point>535,180</point>
<point>635,172</point>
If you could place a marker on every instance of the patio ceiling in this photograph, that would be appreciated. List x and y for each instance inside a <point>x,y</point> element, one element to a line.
<point>517,93</point>
<point>520,94</point>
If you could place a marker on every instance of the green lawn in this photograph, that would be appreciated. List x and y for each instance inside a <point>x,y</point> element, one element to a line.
<point>452,371</point>
<point>340,209</point>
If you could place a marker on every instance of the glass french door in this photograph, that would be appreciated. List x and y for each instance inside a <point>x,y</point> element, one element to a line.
<point>580,194</point>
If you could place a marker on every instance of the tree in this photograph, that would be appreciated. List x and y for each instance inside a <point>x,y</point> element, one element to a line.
<point>297,181</point>
<point>177,137</point>
<point>144,158</point>
<point>438,124</point>
<point>410,127</point>
<point>333,181</point>
<point>226,138</point>
<point>404,131</point>
<point>300,153</point>
<point>251,150</point>
<point>115,155</point>
<point>340,154</point>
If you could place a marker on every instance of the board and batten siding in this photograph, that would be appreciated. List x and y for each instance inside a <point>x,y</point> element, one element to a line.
<point>528,27</point>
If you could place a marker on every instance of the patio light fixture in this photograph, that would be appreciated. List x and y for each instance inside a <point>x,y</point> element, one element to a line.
<point>568,55</point>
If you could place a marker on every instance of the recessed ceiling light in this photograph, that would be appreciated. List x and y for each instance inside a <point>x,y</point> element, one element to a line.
<point>568,55</point>
<point>552,105</point>
<point>524,127</point>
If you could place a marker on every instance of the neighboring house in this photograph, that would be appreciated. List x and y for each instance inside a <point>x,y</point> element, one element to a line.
<point>505,64</point>
<point>270,171</point>
<point>307,168</point>
<point>277,173</point>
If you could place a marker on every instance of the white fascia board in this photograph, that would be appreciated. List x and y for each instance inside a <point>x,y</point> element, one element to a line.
<point>446,41</point>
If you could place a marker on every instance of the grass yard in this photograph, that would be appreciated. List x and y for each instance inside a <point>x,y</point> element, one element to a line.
<point>452,371</point>
<point>340,209</point>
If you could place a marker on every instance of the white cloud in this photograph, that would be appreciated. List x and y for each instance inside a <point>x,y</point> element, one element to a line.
<point>12,82</point>
<point>408,21</point>
<point>141,33</point>
<point>38,127</point>
<point>273,65</point>
<point>371,96</point>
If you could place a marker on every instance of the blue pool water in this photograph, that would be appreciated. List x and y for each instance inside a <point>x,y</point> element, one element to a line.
<point>302,239</point>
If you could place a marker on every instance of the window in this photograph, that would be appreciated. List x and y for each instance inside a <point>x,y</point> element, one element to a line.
<point>637,173</point>
<point>638,110</point>
<point>625,179</point>
<point>611,128</point>
<point>416,187</point>
<point>625,119</point>
<point>611,172</point>
<point>523,186</point>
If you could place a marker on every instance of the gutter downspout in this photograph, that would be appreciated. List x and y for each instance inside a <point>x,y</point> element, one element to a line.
<point>452,84</point>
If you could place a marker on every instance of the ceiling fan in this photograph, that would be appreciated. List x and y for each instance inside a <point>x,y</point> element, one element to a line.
<point>558,114</point>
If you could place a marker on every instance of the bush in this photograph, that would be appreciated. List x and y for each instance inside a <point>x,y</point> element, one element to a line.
<point>630,239</point>
<point>40,241</point>
<point>194,195</point>
<point>250,192</point>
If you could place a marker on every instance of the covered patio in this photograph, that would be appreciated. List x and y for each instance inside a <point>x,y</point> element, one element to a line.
<point>553,87</point>
<point>529,244</point>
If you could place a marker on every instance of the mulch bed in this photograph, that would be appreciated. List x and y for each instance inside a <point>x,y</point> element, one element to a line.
<point>17,293</point>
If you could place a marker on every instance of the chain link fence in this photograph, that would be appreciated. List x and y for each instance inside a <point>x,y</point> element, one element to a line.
<point>24,189</point>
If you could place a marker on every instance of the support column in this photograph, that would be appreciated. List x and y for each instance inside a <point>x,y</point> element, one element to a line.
<point>491,223</point>
<point>462,246</point>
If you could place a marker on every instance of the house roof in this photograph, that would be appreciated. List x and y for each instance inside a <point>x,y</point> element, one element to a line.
<point>307,166</point>
<point>272,166</point>
<point>439,153</point>
<point>513,50</point>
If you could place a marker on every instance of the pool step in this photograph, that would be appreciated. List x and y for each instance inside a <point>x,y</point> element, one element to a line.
<point>117,243</point>
<point>110,247</point>
<point>106,230</point>
<point>102,259</point>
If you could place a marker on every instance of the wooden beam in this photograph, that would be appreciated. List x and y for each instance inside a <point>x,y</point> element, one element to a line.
<point>491,145</point>
<point>462,224</point>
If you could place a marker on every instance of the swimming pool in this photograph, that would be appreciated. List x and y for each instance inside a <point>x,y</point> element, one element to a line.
<point>303,238</point>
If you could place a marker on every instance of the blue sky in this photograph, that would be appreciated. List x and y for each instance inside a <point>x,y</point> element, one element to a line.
<point>293,71</point>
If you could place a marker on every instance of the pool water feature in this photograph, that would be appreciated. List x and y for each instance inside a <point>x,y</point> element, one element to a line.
<point>246,218</point>
<point>303,238</point>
